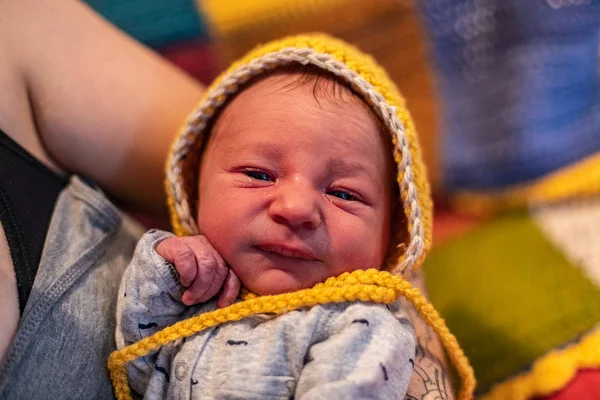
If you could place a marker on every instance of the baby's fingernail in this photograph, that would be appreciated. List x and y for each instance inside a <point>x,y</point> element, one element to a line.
<point>223,303</point>
<point>185,299</point>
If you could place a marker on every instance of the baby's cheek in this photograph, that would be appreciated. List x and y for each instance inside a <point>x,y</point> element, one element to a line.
<point>357,248</point>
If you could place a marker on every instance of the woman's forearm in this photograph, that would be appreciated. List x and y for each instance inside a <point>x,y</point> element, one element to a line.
<point>102,105</point>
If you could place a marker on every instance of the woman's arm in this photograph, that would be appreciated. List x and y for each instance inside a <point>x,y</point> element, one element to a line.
<point>430,376</point>
<point>85,98</point>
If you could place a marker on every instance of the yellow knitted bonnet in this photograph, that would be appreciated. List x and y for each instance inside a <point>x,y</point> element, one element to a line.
<point>369,81</point>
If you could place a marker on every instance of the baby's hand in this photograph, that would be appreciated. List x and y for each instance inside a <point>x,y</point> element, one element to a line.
<point>201,269</point>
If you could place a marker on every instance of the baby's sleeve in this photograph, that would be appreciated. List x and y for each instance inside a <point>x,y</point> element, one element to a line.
<point>367,354</point>
<point>149,300</point>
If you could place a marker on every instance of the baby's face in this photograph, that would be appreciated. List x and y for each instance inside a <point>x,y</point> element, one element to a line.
<point>293,190</point>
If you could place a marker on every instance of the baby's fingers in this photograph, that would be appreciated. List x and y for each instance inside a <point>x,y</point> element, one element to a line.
<point>211,273</point>
<point>231,288</point>
<point>181,255</point>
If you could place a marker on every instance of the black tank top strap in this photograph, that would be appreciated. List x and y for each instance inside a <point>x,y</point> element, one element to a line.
<point>28,193</point>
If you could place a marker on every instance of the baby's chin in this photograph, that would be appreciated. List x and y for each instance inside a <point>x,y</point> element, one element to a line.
<point>277,281</point>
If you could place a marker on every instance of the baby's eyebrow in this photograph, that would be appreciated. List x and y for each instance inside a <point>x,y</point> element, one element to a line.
<point>264,149</point>
<point>344,168</point>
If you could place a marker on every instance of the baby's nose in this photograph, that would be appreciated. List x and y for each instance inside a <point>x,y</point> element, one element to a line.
<point>296,205</point>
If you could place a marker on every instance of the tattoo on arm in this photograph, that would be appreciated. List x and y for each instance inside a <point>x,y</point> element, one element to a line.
<point>430,377</point>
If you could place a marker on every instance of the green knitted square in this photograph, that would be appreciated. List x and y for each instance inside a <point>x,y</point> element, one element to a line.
<point>509,296</point>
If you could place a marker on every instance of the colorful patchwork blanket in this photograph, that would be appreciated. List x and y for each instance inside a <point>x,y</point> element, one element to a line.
<point>521,291</point>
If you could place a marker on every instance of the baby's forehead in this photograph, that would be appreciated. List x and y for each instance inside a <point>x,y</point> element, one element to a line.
<point>323,85</point>
<point>262,96</point>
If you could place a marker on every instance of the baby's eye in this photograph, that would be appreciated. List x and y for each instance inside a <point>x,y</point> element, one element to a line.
<point>342,195</point>
<point>259,175</point>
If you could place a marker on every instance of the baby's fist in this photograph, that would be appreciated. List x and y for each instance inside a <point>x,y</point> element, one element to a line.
<point>201,269</point>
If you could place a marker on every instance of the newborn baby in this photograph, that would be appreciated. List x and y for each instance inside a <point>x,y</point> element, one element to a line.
<point>295,183</point>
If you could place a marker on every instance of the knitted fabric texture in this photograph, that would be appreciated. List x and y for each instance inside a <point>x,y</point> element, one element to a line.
<point>518,82</point>
<point>578,180</point>
<point>370,285</point>
<point>367,79</point>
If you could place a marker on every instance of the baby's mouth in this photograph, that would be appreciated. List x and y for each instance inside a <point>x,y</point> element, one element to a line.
<point>291,251</point>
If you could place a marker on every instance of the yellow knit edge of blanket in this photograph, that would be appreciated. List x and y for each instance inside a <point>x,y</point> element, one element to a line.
<point>227,19</point>
<point>580,179</point>
<point>551,372</point>
<point>370,285</point>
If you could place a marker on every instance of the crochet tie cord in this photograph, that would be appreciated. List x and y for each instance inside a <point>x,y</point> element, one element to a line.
<point>408,245</point>
<point>371,285</point>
